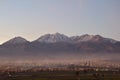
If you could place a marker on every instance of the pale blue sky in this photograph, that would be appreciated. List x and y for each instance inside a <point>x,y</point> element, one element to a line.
<point>33,18</point>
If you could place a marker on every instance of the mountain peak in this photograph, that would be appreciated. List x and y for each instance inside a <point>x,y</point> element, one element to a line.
<point>16,40</point>
<point>57,33</point>
<point>53,38</point>
<point>92,38</point>
<point>86,37</point>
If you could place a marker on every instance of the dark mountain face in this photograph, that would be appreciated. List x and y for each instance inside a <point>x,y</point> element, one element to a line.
<point>98,47</point>
<point>77,44</point>
<point>51,47</point>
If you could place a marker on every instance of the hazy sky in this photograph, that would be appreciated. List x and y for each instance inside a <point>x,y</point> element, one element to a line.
<point>33,18</point>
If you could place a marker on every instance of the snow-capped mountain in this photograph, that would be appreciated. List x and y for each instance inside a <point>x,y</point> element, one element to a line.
<point>16,40</point>
<point>57,37</point>
<point>56,43</point>
<point>92,38</point>
<point>53,38</point>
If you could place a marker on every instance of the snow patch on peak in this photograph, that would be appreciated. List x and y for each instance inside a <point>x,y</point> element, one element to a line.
<point>110,40</point>
<point>92,38</point>
<point>53,38</point>
<point>86,37</point>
